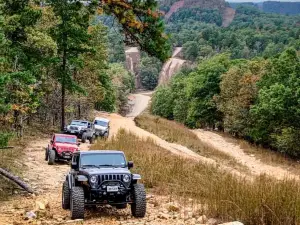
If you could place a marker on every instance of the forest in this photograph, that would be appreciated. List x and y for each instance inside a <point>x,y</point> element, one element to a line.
<point>56,60</point>
<point>245,78</point>
<point>285,8</point>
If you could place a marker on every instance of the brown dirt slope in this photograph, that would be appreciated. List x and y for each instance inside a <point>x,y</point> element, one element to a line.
<point>228,16</point>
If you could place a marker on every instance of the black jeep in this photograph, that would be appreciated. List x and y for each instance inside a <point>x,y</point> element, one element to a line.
<point>101,178</point>
<point>84,130</point>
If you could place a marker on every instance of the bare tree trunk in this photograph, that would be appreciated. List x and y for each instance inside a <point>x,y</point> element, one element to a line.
<point>63,88</point>
<point>17,180</point>
<point>21,126</point>
<point>63,98</point>
<point>79,110</point>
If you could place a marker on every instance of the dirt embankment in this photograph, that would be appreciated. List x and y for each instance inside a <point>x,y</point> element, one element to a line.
<point>228,16</point>
<point>256,166</point>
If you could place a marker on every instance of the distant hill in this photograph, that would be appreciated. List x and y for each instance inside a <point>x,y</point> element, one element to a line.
<point>171,6</point>
<point>209,11</point>
<point>285,8</point>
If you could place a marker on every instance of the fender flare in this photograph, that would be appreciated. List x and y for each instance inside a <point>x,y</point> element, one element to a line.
<point>136,177</point>
<point>70,180</point>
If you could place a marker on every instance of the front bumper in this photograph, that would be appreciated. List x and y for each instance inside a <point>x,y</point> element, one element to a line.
<point>78,133</point>
<point>99,197</point>
<point>100,132</point>
<point>103,194</point>
<point>67,155</point>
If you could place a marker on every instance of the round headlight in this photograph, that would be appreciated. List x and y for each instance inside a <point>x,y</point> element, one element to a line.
<point>93,179</point>
<point>126,178</point>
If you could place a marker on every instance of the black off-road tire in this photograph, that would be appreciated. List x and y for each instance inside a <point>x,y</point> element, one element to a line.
<point>65,196</point>
<point>83,138</point>
<point>77,203</point>
<point>122,206</point>
<point>138,207</point>
<point>105,136</point>
<point>92,139</point>
<point>46,154</point>
<point>51,157</point>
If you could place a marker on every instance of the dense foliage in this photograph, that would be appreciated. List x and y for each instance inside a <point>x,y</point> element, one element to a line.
<point>55,57</point>
<point>150,68</point>
<point>198,14</point>
<point>252,33</point>
<point>286,8</point>
<point>254,99</point>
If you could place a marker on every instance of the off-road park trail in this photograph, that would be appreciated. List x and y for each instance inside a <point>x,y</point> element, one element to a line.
<point>47,180</point>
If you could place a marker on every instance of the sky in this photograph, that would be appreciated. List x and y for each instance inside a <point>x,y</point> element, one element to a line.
<point>262,0</point>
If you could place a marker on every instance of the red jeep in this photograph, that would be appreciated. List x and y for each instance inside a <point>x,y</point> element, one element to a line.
<point>61,147</point>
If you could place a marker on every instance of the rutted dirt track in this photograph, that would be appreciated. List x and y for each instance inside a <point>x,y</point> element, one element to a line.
<point>47,180</point>
<point>255,166</point>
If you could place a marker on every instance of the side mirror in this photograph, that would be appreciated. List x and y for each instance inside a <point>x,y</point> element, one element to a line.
<point>130,165</point>
<point>51,141</point>
<point>74,165</point>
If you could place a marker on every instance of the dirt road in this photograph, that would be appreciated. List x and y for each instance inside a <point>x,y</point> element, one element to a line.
<point>255,166</point>
<point>47,180</point>
<point>139,103</point>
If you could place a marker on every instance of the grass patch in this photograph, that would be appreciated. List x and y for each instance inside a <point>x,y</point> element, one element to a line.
<point>174,132</point>
<point>12,159</point>
<point>263,201</point>
<point>9,161</point>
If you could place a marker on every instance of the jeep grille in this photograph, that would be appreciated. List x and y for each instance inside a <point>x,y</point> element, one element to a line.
<point>111,177</point>
<point>73,128</point>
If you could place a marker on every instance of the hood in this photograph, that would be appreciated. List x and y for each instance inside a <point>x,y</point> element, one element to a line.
<point>77,126</point>
<point>98,127</point>
<point>66,147</point>
<point>99,171</point>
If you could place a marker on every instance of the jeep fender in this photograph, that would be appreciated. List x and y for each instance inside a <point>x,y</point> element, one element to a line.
<point>70,180</point>
<point>136,177</point>
<point>81,178</point>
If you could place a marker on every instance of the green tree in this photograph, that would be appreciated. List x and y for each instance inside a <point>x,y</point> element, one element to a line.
<point>139,21</point>
<point>276,111</point>
<point>150,68</point>
<point>123,83</point>
<point>162,102</point>
<point>71,35</point>
<point>190,50</point>
<point>202,86</point>
<point>24,50</point>
<point>116,47</point>
<point>238,92</point>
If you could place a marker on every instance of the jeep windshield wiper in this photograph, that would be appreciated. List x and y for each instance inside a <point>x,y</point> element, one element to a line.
<point>114,166</point>
<point>84,166</point>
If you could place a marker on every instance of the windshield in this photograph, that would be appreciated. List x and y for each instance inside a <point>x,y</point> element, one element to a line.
<point>65,139</point>
<point>103,159</point>
<point>101,123</point>
<point>79,123</point>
